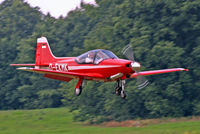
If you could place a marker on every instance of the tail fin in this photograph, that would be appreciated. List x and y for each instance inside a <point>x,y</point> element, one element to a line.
<point>43,55</point>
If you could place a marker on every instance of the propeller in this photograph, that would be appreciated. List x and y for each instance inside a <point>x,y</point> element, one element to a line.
<point>141,80</point>
<point>128,52</point>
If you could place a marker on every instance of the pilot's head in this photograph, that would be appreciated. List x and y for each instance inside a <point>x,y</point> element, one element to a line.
<point>91,54</point>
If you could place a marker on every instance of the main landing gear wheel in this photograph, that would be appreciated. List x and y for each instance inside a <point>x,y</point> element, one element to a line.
<point>78,91</point>
<point>79,87</point>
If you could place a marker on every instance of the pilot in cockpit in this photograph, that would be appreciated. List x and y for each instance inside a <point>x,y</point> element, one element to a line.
<point>90,57</point>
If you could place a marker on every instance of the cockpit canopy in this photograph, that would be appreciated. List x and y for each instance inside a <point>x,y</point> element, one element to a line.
<point>95,56</point>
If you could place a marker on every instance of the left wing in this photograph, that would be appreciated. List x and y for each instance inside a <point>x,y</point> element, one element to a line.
<point>60,74</point>
<point>153,72</point>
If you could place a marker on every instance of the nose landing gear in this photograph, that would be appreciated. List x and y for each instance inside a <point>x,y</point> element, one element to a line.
<point>119,90</point>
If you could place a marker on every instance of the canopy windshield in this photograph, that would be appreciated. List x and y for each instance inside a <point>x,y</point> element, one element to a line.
<point>95,56</point>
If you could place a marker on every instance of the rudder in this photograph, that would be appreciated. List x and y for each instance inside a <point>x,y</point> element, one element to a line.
<point>43,55</point>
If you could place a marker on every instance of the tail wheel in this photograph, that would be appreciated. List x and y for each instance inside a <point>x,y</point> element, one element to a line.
<point>78,91</point>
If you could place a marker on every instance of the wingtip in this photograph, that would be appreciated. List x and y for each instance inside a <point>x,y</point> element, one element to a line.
<point>12,64</point>
<point>183,69</point>
<point>186,69</point>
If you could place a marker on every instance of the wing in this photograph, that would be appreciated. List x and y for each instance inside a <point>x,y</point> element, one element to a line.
<point>60,75</point>
<point>153,72</point>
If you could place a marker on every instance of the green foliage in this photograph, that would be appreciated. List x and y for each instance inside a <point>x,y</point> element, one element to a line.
<point>163,34</point>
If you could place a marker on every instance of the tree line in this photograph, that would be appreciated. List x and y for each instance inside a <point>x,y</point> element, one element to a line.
<point>163,34</point>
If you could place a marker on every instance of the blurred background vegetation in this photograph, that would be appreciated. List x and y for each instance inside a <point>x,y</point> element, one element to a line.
<point>163,34</point>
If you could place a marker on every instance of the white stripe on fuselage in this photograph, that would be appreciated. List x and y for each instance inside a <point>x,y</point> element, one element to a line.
<point>91,67</point>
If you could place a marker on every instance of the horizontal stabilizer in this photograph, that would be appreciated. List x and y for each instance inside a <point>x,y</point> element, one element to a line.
<point>22,64</point>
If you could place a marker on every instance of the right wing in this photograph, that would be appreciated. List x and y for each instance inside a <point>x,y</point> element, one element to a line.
<point>153,72</point>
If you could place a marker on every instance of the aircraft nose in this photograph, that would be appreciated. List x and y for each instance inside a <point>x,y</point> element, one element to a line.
<point>135,66</point>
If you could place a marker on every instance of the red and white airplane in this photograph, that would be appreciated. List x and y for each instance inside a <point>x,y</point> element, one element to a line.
<point>97,65</point>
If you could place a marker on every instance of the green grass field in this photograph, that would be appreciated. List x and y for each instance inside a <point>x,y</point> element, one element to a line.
<point>59,121</point>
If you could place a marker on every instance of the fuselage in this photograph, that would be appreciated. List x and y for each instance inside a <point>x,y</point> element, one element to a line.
<point>104,70</point>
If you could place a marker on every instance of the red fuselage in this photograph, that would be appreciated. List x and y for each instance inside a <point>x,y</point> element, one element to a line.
<point>101,71</point>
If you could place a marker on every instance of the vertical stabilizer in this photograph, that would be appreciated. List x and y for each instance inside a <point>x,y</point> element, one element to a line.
<point>43,55</point>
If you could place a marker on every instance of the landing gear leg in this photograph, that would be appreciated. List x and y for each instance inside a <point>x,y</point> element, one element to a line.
<point>79,87</point>
<point>119,90</point>
<point>123,93</point>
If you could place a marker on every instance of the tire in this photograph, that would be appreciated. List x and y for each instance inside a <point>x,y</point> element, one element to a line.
<point>78,91</point>
<point>118,90</point>
<point>123,95</point>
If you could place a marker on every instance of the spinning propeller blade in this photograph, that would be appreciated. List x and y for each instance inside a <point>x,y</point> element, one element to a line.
<point>128,52</point>
<point>141,80</point>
